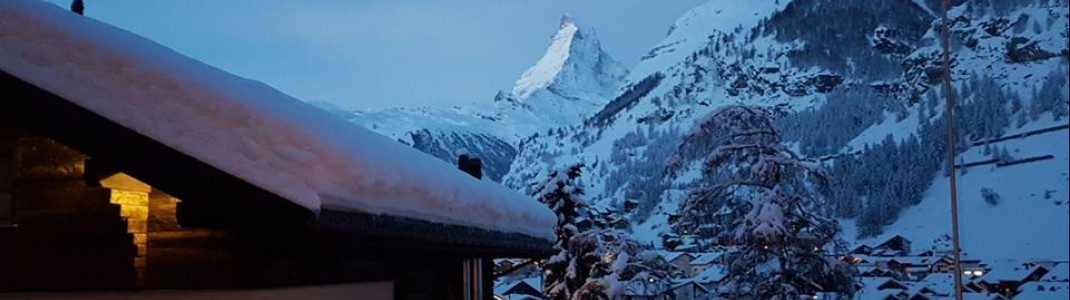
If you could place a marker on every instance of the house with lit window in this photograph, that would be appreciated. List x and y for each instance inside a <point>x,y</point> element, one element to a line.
<point>125,166</point>
<point>1006,278</point>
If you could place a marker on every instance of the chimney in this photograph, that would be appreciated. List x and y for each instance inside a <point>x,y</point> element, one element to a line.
<point>471,165</point>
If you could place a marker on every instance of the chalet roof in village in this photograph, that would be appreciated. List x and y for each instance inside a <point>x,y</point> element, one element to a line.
<point>109,83</point>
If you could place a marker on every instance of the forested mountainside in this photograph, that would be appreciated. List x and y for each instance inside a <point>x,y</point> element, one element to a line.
<point>850,86</point>
<point>854,87</point>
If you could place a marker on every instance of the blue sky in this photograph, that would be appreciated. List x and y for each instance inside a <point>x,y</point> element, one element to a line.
<point>379,53</point>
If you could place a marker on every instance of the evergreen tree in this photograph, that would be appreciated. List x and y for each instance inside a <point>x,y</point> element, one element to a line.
<point>561,193</point>
<point>775,199</point>
<point>591,262</point>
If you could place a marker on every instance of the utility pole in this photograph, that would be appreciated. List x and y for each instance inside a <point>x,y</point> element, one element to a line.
<point>948,93</point>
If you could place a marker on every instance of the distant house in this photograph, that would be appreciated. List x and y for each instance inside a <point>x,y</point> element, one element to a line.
<point>934,286</point>
<point>862,250</point>
<point>882,288</point>
<point>680,260</point>
<point>688,289</point>
<point>703,261</point>
<point>630,205</point>
<point>1043,290</point>
<point>1005,279</point>
<point>527,289</point>
<point>874,271</point>
<point>914,266</point>
<point>130,167</point>
<point>646,290</point>
<point>712,277</point>
<point>894,246</point>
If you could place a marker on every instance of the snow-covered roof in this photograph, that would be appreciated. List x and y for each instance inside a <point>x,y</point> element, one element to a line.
<point>504,288</point>
<point>673,255</point>
<point>1058,273</point>
<point>915,260</point>
<point>714,273</point>
<point>1007,271</point>
<point>1043,290</point>
<point>246,128</point>
<point>706,258</point>
<point>940,283</point>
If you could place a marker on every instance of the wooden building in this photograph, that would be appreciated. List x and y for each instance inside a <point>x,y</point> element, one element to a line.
<point>90,203</point>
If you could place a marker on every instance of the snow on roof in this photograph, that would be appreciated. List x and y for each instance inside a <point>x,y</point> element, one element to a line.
<point>672,255</point>
<point>534,282</point>
<point>1059,273</point>
<point>915,260</point>
<point>706,258</point>
<point>714,273</point>
<point>1043,290</point>
<point>1007,271</point>
<point>246,128</point>
<point>941,283</point>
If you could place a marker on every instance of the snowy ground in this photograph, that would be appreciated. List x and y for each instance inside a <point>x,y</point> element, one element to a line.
<point>1029,223</point>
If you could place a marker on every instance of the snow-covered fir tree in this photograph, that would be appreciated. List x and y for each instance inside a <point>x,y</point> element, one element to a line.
<point>761,198</point>
<point>592,261</point>
<point>561,193</point>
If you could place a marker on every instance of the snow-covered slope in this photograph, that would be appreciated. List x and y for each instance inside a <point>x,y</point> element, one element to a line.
<point>245,128</point>
<point>1028,221</point>
<point>690,33</point>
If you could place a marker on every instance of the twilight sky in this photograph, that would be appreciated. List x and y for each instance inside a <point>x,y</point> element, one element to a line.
<point>385,53</point>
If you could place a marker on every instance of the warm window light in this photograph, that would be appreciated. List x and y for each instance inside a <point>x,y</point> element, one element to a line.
<point>608,258</point>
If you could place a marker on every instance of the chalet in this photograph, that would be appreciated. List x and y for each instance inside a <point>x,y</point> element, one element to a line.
<point>712,277</point>
<point>527,289</point>
<point>861,250</point>
<point>914,266</point>
<point>1005,279</point>
<point>630,205</point>
<point>1043,290</point>
<point>704,261</point>
<point>680,260</point>
<point>688,289</point>
<point>127,167</point>
<point>882,288</point>
<point>894,246</point>
<point>934,286</point>
<point>646,290</point>
<point>873,271</point>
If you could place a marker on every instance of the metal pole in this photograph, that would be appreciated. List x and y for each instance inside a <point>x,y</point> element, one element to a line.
<point>948,93</point>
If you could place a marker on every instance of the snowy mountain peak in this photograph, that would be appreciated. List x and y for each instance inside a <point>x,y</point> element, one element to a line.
<point>573,79</point>
<point>566,21</point>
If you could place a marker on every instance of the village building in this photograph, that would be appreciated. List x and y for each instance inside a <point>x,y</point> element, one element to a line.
<point>704,261</point>
<point>688,289</point>
<point>894,246</point>
<point>646,290</point>
<point>680,260</point>
<point>1006,278</point>
<point>527,289</point>
<point>127,167</point>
